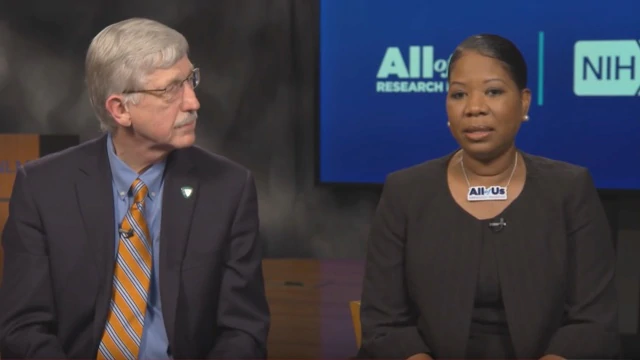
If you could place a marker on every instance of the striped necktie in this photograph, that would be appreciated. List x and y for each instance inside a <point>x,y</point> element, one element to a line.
<point>131,278</point>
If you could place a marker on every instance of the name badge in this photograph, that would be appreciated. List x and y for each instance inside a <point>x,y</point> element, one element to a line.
<point>482,193</point>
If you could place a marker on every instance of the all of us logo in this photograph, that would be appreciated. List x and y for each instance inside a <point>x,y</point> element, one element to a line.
<point>417,70</point>
<point>482,193</point>
<point>420,69</point>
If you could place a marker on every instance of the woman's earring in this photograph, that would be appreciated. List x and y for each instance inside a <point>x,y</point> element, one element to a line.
<point>448,124</point>
<point>526,118</point>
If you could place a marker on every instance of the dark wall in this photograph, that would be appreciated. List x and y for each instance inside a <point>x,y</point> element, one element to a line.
<point>258,96</point>
<point>258,65</point>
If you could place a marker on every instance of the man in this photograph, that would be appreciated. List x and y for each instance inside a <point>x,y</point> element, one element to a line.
<point>136,245</point>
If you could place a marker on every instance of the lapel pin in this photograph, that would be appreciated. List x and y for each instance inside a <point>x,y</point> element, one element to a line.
<point>186,191</point>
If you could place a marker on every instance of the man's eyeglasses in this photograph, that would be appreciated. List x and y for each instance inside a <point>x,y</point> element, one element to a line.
<point>172,90</point>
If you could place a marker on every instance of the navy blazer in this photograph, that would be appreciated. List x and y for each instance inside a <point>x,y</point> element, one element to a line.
<point>555,258</point>
<point>59,263</point>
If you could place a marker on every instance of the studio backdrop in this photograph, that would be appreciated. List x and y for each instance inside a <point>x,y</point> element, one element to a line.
<point>258,61</point>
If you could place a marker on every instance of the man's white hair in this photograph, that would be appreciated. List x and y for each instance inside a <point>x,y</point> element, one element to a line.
<point>122,55</point>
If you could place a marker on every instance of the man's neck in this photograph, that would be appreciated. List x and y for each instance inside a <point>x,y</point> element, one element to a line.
<point>135,152</point>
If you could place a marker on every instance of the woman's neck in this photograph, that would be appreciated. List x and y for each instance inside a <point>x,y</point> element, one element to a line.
<point>489,172</point>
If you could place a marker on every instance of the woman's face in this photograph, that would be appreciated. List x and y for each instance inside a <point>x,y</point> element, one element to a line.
<point>484,105</point>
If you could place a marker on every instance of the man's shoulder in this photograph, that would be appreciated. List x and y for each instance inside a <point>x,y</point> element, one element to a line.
<point>62,162</point>
<point>210,163</point>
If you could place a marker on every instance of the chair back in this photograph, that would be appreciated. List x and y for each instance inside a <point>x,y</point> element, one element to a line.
<point>355,318</point>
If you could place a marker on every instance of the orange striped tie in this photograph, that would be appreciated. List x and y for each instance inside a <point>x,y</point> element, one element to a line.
<point>131,278</point>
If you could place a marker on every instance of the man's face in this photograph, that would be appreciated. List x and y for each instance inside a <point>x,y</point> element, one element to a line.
<point>167,119</point>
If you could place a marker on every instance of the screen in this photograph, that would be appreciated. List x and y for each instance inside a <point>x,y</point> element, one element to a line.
<point>383,83</point>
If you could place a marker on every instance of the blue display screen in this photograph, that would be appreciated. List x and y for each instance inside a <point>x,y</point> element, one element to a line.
<point>383,83</point>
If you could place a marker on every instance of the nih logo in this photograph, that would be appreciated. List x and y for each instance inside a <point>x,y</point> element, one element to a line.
<point>607,68</point>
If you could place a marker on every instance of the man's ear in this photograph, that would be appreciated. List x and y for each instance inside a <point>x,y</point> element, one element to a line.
<point>117,107</point>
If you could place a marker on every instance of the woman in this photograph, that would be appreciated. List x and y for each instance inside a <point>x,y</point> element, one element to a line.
<point>489,252</point>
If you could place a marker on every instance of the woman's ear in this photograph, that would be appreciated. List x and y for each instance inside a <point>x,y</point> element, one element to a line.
<point>526,103</point>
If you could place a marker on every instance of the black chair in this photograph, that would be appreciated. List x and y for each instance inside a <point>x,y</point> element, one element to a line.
<point>630,346</point>
<point>631,342</point>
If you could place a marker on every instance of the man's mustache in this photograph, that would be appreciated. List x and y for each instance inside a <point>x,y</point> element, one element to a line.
<point>190,118</point>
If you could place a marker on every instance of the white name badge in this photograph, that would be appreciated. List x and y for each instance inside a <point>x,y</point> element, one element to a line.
<point>481,193</point>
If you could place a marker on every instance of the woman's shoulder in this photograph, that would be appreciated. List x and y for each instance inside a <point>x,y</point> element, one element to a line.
<point>424,174</point>
<point>557,180</point>
<point>554,171</point>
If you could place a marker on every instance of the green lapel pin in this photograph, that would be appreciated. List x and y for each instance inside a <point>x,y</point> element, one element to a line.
<point>186,191</point>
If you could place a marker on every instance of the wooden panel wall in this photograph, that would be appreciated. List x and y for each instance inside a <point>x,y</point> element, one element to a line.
<point>309,302</point>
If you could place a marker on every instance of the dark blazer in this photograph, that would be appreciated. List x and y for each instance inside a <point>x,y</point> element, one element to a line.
<point>556,265</point>
<point>59,258</point>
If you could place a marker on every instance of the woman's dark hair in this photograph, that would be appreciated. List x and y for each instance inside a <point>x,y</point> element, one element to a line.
<point>498,48</point>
